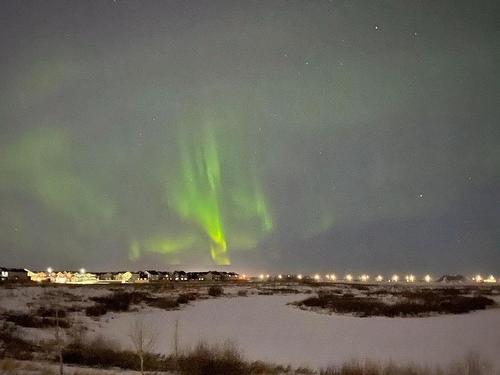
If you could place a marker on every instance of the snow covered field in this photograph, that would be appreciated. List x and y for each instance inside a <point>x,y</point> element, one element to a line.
<point>266,328</point>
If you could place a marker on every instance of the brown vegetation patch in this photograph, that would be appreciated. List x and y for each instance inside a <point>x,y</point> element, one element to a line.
<point>420,303</point>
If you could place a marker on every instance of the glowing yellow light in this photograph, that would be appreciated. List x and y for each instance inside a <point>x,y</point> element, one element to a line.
<point>280,277</point>
<point>82,270</point>
<point>333,277</point>
<point>379,278</point>
<point>317,277</point>
<point>478,278</point>
<point>427,278</point>
<point>409,278</point>
<point>395,278</point>
<point>490,279</point>
<point>267,276</point>
<point>261,276</point>
<point>365,278</point>
<point>327,276</point>
<point>50,270</point>
<point>299,276</point>
<point>348,277</point>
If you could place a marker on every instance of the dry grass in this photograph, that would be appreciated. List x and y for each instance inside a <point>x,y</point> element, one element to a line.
<point>471,365</point>
<point>420,303</point>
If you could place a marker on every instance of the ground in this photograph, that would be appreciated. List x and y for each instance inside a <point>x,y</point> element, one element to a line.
<point>262,321</point>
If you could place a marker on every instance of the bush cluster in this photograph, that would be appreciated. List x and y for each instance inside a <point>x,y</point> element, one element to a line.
<point>96,309</point>
<point>117,302</point>
<point>100,353</point>
<point>120,301</point>
<point>12,345</point>
<point>414,304</point>
<point>215,291</point>
<point>31,320</point>
<point>165,303</point>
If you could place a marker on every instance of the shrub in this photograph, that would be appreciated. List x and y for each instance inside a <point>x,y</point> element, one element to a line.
<point>34,321</point>
<point>12,345</point>
<point>416,304</point>
<point>182,299</point>
<point>121,301</point>
<point>205,360</point>
<point>97,309</point>
<point>242,293</point>
<point>164,303</point>
<point>50,312</point>
<point>102,353</point>
<point>215,291</point>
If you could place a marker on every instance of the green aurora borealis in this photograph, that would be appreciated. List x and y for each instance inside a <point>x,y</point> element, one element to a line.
<point>287,136</point>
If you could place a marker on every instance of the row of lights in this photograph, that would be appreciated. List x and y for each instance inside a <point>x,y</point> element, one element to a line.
<point>364,277</point>
<point>489,279</point>
<point>50,270</point>
<point>379,278</point>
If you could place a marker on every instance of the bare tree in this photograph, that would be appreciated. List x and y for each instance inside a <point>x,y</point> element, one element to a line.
<point>56,298</point>
<point>59,344</point>
<point>143,340</point>
<point>176,338</point>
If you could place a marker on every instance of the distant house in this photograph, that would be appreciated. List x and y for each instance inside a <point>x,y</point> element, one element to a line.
<point>123,277</point>
<point>213,276</point>
<point>104,276</point>
<point>152,275</point>
<point>61,277</point>
<point>38,276</point>
<point>14,274</point>
<point>452,279</point>
<point>82,278</point>
<point>134,277</point>
<point>233,276</point>
<point>180,276</point>
<point>164,275</point>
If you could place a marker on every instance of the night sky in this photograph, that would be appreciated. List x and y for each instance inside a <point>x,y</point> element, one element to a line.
<point>291,136</point>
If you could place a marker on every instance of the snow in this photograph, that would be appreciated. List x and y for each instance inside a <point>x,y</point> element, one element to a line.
<point>266,328</point>
<point>9,366</point>
<point>23,298</point>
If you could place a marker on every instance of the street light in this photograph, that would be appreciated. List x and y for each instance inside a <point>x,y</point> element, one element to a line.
<point>82,270</point>
<point>50,270</point>
<point>409,278</point>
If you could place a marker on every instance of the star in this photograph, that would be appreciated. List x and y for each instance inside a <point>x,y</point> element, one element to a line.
<point>377,27</point>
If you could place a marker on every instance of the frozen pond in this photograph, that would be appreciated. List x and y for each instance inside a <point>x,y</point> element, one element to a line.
<point>265,328</point>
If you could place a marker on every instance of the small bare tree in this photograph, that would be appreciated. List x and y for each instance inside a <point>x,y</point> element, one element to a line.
<point>56,298</point>
<point>59,344</point>
<point>176,338</point>
<point>143,340</point>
